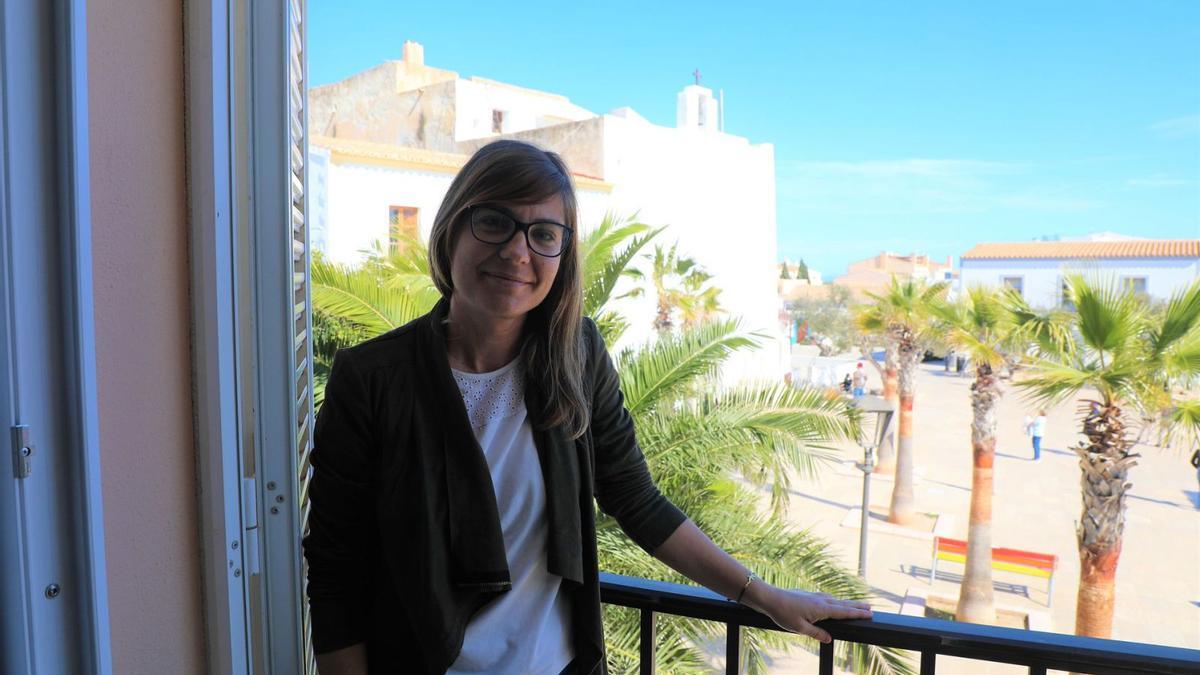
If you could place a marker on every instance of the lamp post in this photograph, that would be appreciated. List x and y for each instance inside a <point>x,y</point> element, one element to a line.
<point>876,416</point>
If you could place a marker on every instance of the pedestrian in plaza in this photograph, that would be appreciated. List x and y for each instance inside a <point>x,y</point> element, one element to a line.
<point>1196,466</point>
<point>859,380</point>
<point>1036,428</point>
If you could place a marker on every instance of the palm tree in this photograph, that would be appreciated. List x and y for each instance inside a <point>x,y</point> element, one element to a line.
<point>1127,361</point>
<point>696,447</point>
<point>903,314</point>
<point>700,301</point>
<point>351,304</point>
<point>680,285</point>
<point>607,253</point>
<point>983,326</point>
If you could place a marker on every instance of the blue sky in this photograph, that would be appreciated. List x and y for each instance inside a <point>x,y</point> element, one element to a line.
<point>907,127</point>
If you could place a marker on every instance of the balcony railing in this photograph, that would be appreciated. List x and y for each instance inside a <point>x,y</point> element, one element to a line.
<point>929,637</point>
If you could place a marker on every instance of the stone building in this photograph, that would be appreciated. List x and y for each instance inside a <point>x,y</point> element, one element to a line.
<point>875,273</point>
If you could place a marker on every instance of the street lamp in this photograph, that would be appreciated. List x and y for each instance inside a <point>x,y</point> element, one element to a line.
<point>876,415</point>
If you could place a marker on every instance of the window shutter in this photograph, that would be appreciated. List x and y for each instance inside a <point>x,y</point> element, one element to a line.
<point>301,294</point>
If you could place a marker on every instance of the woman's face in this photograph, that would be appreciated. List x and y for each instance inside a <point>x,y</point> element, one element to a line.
<point>504,281</point>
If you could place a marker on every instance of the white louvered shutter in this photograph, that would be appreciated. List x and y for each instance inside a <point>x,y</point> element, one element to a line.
<point>301,295</point>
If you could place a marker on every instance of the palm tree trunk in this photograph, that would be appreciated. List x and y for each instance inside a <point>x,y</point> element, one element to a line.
<point>887,449</point>
<point>662,316</point>
<point>1097,591</point>
<point>1105,461</point>
<point>903,511</point>
<point>976,603</point>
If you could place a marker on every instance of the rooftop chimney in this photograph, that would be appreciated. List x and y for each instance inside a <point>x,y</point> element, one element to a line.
<point>414,53</point>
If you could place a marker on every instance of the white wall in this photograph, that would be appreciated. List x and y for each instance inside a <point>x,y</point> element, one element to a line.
<point>697,108</point>
<point>714,191</point>
<point>1043,278</point>
<point>358,200</point>
<point>474,102</point>
<point>593,205</point>
<point>716,194</point>
<point>318,194</point>
<point>351,202</point>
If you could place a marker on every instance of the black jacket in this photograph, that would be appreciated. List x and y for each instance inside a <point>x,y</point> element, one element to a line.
<point>404,544</point>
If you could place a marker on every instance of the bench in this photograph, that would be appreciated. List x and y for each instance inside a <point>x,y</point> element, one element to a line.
<point>1029,563</point>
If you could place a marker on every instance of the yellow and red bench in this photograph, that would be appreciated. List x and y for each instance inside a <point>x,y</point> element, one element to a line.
<point>1029,563</point>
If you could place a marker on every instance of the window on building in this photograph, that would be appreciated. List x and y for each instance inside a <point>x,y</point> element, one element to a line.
<point>1015,283</point>
<point>1135,284</point>
<point>497,121</point>
<point>1064,295</point>
<point>402,226</point>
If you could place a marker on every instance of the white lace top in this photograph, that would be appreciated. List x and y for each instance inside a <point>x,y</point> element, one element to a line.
<point>527,629</point>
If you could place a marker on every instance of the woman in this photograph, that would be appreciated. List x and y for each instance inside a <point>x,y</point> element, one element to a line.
<point>456,459</point>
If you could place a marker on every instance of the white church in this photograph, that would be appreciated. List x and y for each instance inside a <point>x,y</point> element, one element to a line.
<point>386,142</point>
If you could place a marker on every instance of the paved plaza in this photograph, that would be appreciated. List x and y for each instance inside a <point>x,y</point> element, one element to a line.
<point>1035,507</point>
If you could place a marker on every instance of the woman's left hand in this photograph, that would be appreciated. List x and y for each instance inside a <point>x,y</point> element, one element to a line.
<point>797,611</point>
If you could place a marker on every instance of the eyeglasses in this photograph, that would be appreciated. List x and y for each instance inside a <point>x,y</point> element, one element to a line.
<point>496,225</point>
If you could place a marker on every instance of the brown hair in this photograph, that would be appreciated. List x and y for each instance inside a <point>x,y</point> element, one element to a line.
<point>515,172</point>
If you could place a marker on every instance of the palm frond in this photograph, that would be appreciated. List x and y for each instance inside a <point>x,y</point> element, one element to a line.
<point>1051,332</point>
<point>908,303</point>
<point>1053,382</point>
<point>1109,318</point>
<point>661,369</point>
<point>981,325</point>
<point>600,281</point>
<point>596,247</point>
<point>764,433</point>
<point>611,325</point>
<point>1181,359</point>
<point>356,295</point>
<point>1183,422</point>
<point>1180,319</point>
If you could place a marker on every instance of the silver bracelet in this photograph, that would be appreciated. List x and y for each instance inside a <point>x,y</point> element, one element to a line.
<point>750,577</point>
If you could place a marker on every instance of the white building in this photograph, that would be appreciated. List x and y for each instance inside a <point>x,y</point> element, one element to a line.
<point>1157,267</point>
<point>362,193</point>
<point>396,134</point>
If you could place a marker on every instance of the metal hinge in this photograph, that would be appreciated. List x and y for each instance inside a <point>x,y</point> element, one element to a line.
<point>250,524</point>
<point>22,451</point>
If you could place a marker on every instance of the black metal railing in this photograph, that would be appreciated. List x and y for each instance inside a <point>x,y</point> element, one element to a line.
<point>1037,650</point>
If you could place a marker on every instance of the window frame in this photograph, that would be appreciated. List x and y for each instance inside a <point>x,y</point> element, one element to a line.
<point>55,515</point>
<point>1020,288</point>
<point>1128,280</point>
<point>1064,289</point>
<point>215,256</point>
<point>243,291</point>
<point>396,227</point>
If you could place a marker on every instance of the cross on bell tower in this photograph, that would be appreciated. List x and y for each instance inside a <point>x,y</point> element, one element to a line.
<point>697,108</point>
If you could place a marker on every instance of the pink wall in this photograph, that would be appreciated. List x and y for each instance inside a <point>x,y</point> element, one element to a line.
<point>135,71</point>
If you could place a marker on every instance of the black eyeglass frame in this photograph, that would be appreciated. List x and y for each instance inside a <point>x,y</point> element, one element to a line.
<point>518,226</point>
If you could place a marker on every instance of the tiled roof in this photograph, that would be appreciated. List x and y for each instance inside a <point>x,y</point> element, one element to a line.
<point>1087,250</point>
<point>429,159</point>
